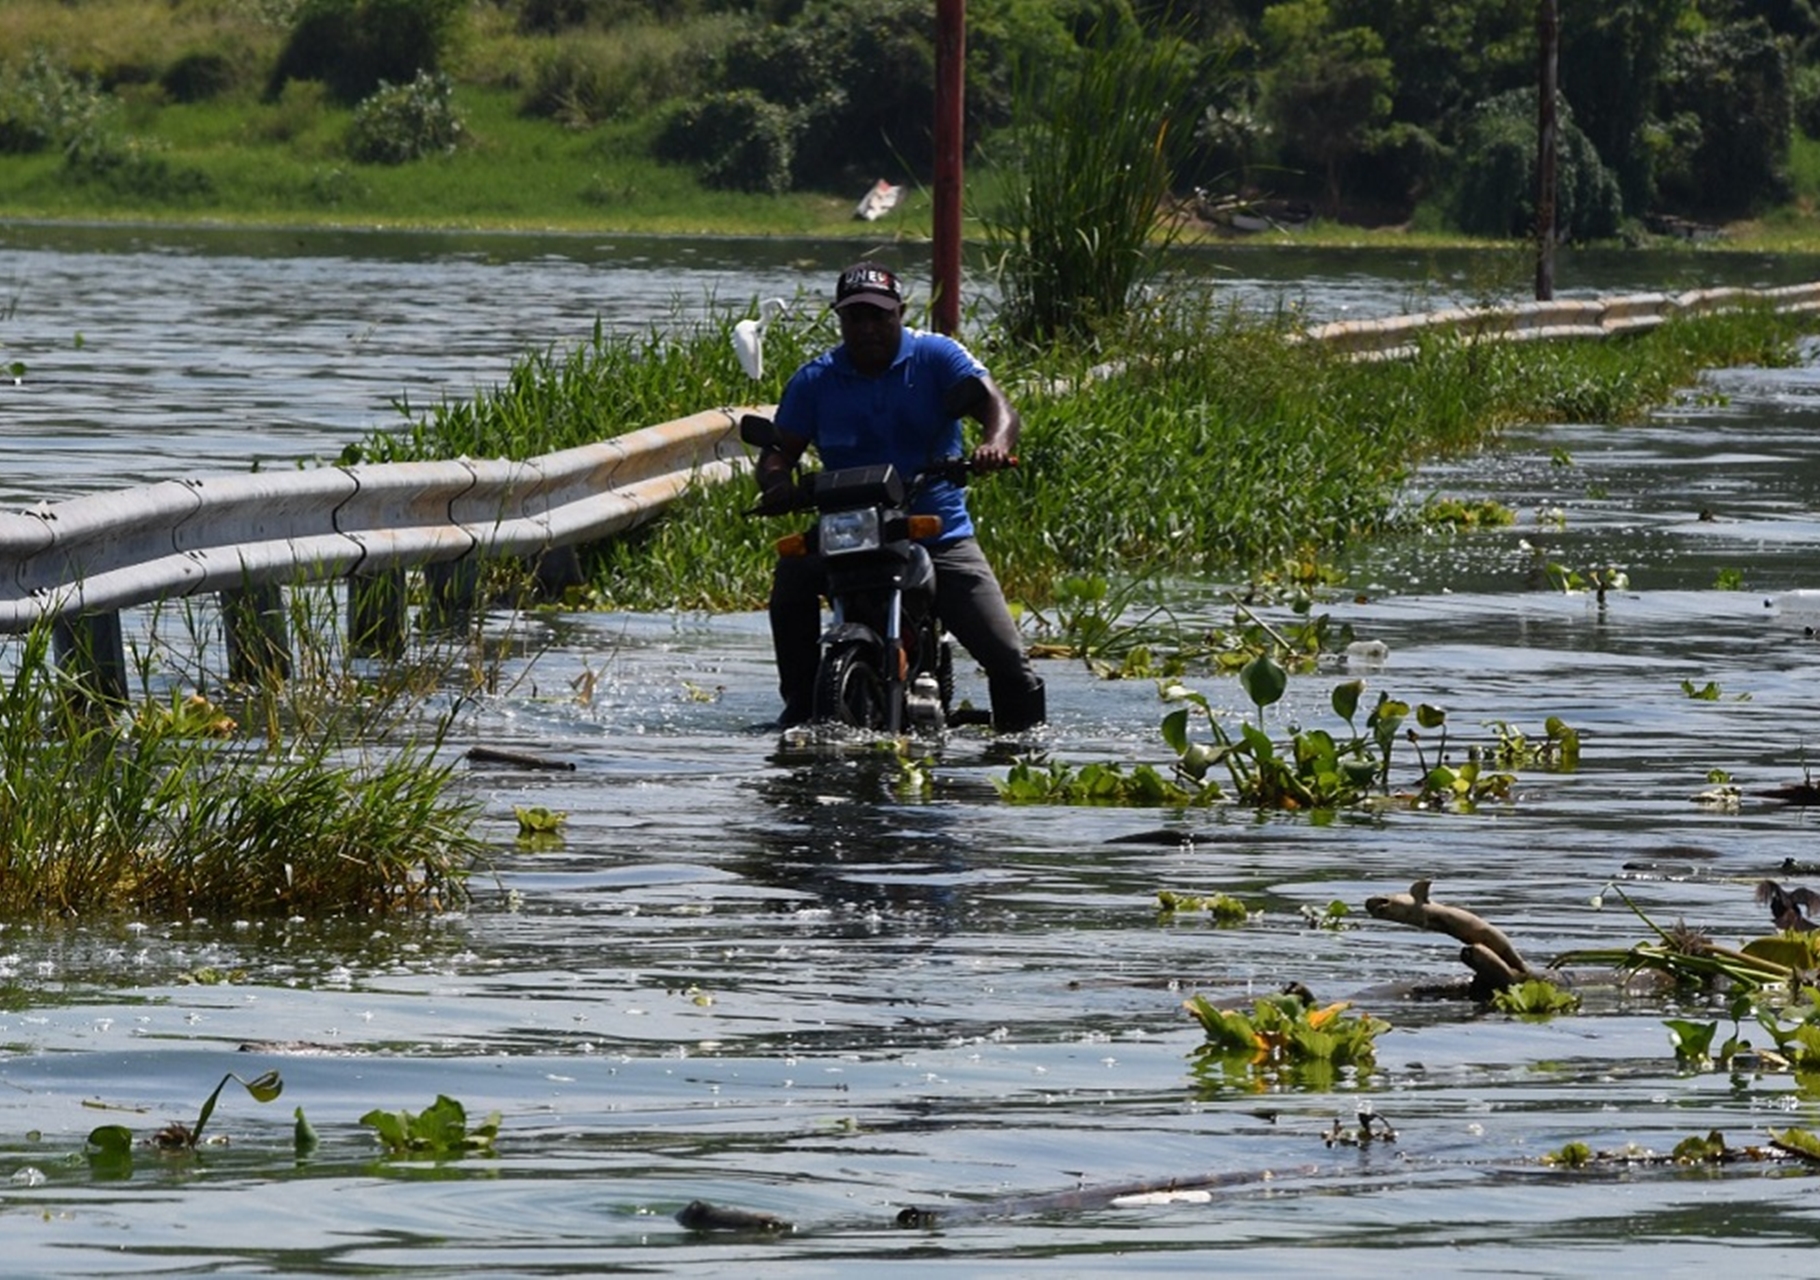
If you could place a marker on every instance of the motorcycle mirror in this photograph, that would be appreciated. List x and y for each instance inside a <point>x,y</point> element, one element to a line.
<point>756,431</point>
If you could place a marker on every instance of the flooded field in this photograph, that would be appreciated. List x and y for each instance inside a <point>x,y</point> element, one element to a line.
<point>768,976</point>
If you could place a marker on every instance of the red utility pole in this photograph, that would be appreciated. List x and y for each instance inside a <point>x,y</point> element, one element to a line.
<point>1548,37</point>
<point>950,99</point>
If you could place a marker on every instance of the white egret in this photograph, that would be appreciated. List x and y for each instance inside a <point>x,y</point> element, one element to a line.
<point>749,337</point>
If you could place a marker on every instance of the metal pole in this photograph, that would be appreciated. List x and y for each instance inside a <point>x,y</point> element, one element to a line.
<point>1548,37</point>
<point>950,99</point>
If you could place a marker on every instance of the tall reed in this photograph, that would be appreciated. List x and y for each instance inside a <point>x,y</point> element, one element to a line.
<point>1079,229</point>
<point>299,799</point>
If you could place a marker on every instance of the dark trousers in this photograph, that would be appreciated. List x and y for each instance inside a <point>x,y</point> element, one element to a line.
<point>967,598</point>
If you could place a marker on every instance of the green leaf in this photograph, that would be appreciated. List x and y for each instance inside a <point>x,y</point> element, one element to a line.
<point>537,820</point>
<point>303,1137</point>
<point>112,1140</point>
<point>1693,1041</point>
<point>1263,680</point>
<point>1346,699</point>
<point>263,1089</point>
<point>1175,730</point>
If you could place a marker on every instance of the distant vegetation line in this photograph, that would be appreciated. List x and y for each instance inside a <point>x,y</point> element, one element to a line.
<point>775,115</point>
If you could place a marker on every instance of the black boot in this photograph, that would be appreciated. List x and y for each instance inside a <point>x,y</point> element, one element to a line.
<point>1016,711</point>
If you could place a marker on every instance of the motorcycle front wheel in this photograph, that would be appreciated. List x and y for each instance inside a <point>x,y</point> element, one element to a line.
<point>849,689</point>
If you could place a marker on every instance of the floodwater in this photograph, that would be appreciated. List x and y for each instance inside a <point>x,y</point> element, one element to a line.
<point>766,977</point>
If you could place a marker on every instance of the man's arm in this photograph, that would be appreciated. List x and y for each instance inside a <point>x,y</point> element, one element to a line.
<point>776,467</point>
<point>981,399</point>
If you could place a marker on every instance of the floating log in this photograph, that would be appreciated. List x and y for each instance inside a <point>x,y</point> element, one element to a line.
<point>1492,957</point>
<point>518,759</point>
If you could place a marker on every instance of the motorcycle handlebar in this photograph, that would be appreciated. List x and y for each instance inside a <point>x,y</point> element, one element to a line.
<point>798,497</point>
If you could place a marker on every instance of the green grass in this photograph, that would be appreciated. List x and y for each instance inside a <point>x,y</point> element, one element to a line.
<point>319,797</point>
<point>1223,450</point>
<point>282,163</point>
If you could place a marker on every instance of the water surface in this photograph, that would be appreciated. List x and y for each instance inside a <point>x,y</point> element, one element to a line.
<point>766,977</point>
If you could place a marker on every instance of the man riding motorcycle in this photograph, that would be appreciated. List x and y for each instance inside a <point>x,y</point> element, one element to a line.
<point>891,393</point>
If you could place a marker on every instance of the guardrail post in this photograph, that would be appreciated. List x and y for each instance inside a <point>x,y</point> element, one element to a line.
<point>89,649</point>
<point>557,570</point>
<point>376,614</point>
<point>454,588</point>
<point>258,641</point>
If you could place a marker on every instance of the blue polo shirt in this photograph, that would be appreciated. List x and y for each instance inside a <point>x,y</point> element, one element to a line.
<point>897,417</point>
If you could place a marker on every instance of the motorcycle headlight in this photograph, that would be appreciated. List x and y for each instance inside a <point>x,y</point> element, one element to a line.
<point>843,532</point>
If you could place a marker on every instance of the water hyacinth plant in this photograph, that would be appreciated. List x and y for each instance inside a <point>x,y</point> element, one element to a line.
<point>1285,1037</point>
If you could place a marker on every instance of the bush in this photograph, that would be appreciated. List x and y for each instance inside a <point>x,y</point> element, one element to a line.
<point>859,78</point>
<point>1732,83</point>
<point>1805,92</point>
<point>401,123</point>
<point>739,141</point>
<point>354,46</point>
<point>42,105</point>
<point>1494,180</point>
<point>134,168</point>
<point>591,76</point>
<point>198,77</point>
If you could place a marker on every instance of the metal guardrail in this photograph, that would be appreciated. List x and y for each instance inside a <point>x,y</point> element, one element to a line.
<point>253,534</point>
<point>1398,336</point>
<point>110,551</point>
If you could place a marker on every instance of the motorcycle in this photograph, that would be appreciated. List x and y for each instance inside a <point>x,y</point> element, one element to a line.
<point>885,663</point>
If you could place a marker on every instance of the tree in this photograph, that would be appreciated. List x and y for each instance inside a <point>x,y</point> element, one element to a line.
<point>1328,90</point>
<point>1494,183</point>
<point>1727,102</point>
<point>1612,53</point>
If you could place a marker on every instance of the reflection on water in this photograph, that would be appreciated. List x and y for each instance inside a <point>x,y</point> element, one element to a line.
<point>771,979</point>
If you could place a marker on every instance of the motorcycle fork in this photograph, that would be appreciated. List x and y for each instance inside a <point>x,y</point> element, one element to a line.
<point>897,678</point>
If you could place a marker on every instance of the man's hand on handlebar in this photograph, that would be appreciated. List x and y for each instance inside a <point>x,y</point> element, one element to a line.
<point>993,457</point>
<point>779,498</point>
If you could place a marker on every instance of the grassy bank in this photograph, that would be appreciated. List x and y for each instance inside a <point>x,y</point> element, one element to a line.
<point>170,112</point>
<point>1222,451</point>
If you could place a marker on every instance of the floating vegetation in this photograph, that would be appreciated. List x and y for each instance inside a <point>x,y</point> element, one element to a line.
<point>1463,513</point>
<point>1558,748</point>
<point>1286,1037</point>
<point>1709,1149</point>
<point>110,1147</point>
<point>1313,770</point>
<point>1535,998</point>
<point>1335,916</point>
<point>438,1132</point>
<point>537,820</point>
<point>1692,958</point>
<point>1119,640</point>
<point>1223,909</point>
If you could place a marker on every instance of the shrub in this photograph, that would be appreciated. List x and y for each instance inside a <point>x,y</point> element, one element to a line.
<point>738,140</point>
<point>401,123</point>
<point>1804,89</point>
<point>1494,181</point>
<point>588,77</point>
<point>857,75</point>
<point>42,105</point>
<point>198,77</point>
<point>1731,85</point>
<point>133,167</point>
<point>354,46</point>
